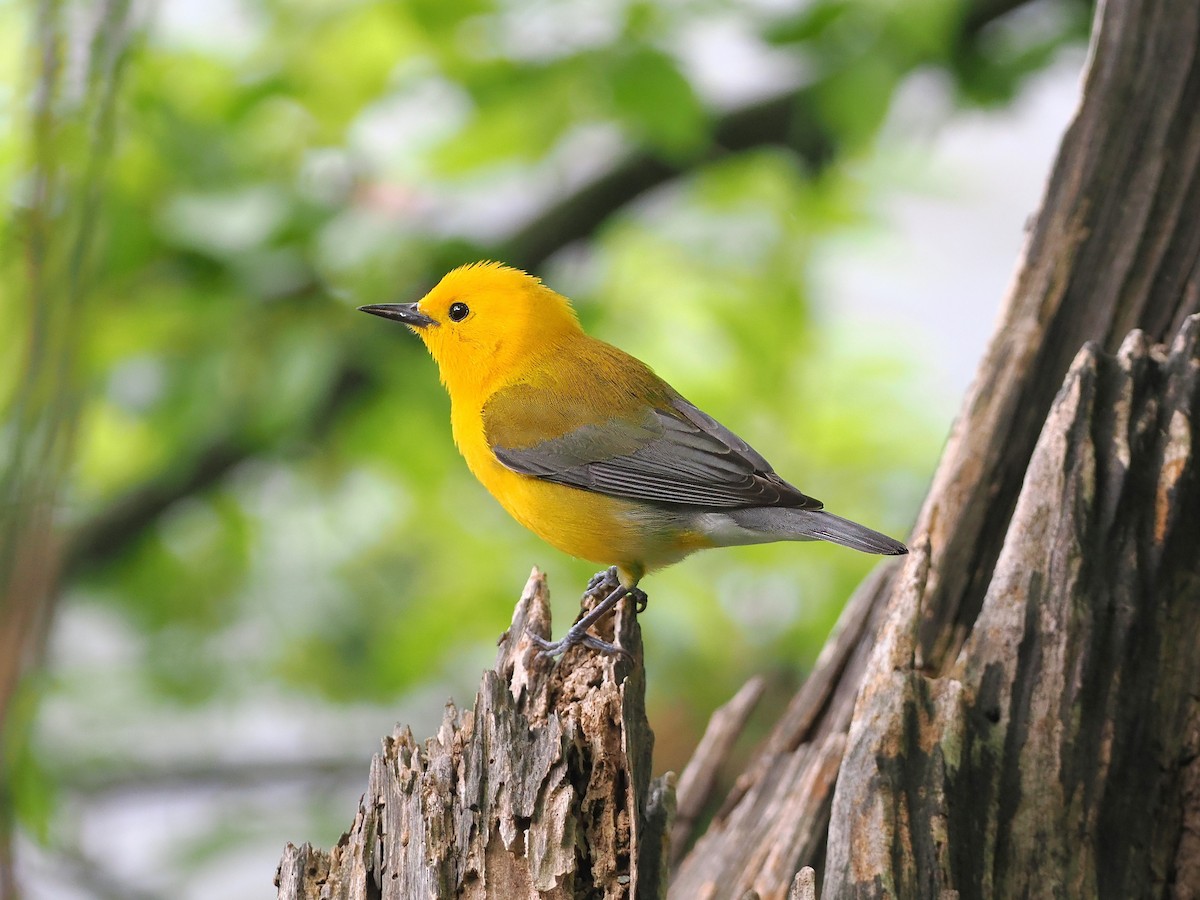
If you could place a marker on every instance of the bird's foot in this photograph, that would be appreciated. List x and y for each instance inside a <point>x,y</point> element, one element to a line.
<point>578,633</point>
<point>605,578</point>
<point>551,649</point>
<point>639,599</point>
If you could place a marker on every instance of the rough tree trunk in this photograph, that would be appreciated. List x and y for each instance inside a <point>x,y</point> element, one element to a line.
<point>1014,711</point>
<point>1059,753</point>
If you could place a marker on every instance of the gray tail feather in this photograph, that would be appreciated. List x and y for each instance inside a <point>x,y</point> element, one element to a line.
<point>802,524</point>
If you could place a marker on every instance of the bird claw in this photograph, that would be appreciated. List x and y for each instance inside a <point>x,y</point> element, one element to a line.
<point>551,649</point>
<point>606,578</point>
<point>613,592</point>
<point>639,599</point>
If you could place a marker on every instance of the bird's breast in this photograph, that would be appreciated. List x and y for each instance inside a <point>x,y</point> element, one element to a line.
<point>605,530</point>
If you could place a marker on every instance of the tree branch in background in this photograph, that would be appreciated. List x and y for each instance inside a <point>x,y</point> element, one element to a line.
<point>789,120</point>
<point>116,528</point>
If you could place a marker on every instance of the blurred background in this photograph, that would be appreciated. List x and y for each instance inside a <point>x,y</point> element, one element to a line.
<point>236,544</point>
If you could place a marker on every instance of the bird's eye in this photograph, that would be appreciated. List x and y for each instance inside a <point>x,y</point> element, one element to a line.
<point>458,311</point>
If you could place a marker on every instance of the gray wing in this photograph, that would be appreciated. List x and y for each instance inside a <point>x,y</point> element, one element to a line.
<point>679,455</point>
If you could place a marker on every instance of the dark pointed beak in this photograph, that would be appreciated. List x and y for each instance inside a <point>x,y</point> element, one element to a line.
<point>401,312</point>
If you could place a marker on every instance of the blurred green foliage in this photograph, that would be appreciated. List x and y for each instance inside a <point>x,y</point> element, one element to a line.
<point>264,490</point>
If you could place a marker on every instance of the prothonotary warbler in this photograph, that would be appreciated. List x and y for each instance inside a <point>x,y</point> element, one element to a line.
<point>589,449</point>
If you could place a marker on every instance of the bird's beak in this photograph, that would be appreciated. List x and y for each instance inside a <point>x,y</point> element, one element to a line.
<point>401,312</point>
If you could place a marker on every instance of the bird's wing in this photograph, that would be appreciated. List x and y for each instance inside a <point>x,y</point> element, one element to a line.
<point>670,452</point>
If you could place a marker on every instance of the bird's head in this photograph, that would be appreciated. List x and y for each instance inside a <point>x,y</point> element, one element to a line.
<point>483,320</point>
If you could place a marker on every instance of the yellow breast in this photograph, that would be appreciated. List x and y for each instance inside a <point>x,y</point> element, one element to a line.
<point>605,530</point>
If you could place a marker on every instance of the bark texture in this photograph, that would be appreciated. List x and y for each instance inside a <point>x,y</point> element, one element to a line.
<point>1058,753</point>
<point>1011,712</point>
<point>543,789</point>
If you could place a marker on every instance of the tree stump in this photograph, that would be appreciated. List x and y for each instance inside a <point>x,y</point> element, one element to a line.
<point>542,789</point>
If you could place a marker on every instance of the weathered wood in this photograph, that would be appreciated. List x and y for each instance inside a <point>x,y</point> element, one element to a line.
<point>304,871</point>
<point>778,810</point>
<point>698,777</point>
<point>1053,756</point>
<point>804,885</point>
<point>543,789</point>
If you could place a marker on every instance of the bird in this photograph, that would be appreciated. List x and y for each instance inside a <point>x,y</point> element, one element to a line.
<point>586,447</point>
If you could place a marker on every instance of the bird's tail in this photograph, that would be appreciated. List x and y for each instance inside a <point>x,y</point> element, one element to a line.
<point>775,523</point>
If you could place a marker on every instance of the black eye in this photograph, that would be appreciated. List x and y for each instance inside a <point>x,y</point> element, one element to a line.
<point>458,311</point>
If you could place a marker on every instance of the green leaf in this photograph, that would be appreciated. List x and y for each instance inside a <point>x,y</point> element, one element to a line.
<point>339,63</point>
<point>519,117</point>
<point>923,30</point>
<point>855,99</point>
<point>813,21</point>
<point>656,103</point>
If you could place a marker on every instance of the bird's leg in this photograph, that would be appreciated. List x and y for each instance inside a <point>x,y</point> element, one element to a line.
<point>577,633</point>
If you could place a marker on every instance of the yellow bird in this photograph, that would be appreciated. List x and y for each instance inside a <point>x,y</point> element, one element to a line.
<point>586,447</point>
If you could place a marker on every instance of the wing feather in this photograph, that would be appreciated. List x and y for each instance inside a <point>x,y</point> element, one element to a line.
<point>672,454</point>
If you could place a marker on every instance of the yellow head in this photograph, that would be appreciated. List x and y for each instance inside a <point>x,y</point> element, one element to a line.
<point>483,322</point>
